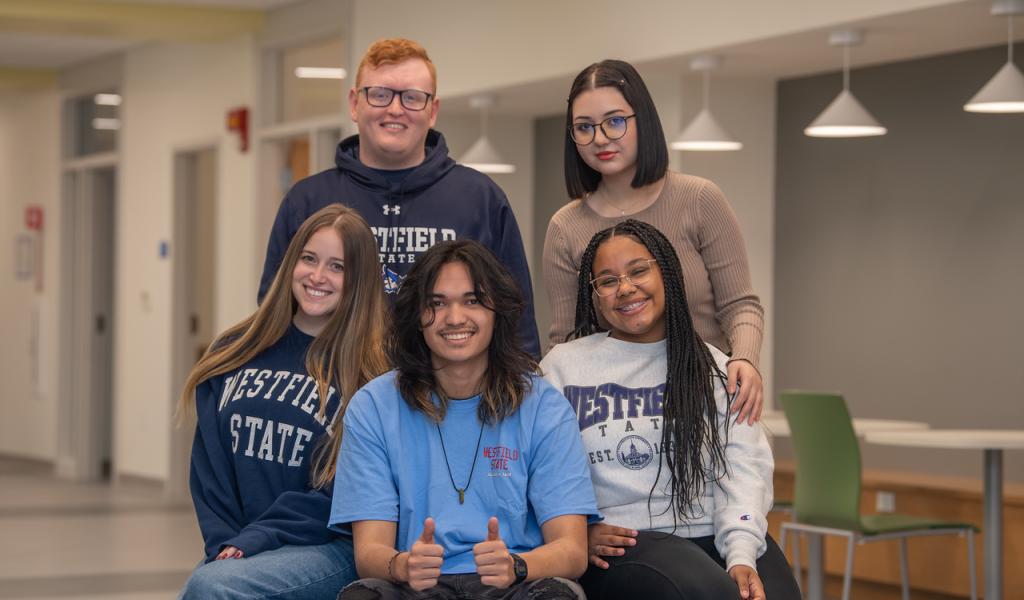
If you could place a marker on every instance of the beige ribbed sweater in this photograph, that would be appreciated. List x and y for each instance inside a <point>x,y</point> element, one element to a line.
<point>695,216</point>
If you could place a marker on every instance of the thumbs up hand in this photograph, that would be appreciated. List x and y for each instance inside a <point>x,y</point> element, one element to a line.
<point>425,559</point>
<point>493,562</point>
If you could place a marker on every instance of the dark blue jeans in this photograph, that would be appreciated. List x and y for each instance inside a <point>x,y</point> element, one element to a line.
<point>289,572</point>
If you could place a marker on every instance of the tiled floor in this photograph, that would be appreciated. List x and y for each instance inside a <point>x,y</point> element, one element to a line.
<point>67,541</point>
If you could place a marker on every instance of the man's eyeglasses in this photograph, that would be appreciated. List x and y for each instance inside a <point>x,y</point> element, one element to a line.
<point>613,128</point>
<point>381,97</point>
<point>638,274</point>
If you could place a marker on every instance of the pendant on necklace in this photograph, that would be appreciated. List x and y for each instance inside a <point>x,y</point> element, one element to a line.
<point>462,495</point>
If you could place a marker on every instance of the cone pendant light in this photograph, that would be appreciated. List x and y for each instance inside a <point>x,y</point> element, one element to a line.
<point>704,133</point>
<point>482,155</point>
<point>845,116</point>
<point>1004,93</point>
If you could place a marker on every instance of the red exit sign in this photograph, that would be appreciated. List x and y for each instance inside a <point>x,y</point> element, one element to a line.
<point>34,217</point>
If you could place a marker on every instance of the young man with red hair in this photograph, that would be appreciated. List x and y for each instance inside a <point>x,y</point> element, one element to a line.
<point>397,173</point>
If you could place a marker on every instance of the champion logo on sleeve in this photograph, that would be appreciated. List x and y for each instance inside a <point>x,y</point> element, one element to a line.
<point>745,517</point>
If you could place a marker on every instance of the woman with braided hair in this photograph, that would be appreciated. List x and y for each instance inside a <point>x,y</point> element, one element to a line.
<point>616,167</point>
<point>683,484</point>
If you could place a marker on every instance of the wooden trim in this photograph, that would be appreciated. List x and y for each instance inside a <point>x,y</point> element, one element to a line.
<point>966,488</point>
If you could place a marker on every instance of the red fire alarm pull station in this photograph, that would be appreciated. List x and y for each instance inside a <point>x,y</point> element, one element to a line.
<point>34,218</point>
<point>238,121</point>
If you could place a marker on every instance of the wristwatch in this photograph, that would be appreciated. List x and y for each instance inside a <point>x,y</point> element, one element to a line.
<point>518,568</point>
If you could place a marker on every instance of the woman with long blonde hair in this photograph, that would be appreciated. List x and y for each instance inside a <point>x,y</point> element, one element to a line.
<point>268,397</point>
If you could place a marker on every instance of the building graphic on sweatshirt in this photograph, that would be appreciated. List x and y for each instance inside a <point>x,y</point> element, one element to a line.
<point>635,458</point>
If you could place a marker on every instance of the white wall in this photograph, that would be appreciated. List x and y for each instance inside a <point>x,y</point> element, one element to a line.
<point>176,98</point>
<point>29,175</point>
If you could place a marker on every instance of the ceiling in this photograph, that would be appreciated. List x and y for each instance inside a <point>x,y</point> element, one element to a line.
<point>38,37</point>
<point>52,34</point>
<point>916,34</point>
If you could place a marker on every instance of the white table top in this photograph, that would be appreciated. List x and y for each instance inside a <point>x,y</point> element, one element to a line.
<point>979,439</point>
<point>775,424</point>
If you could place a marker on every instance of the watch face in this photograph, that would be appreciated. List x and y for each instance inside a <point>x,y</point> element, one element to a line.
<point>519,567</point>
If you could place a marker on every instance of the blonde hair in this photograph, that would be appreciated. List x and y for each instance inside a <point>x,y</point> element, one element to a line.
<point>395,50</point>
<point>346,354</point>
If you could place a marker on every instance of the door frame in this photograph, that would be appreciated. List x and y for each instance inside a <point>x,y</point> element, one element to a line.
<point>85,422</point>
<point>182,357</point>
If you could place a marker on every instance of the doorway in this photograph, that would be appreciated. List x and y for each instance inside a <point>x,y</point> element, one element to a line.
<point>85,431</point>
<point>195,279</point>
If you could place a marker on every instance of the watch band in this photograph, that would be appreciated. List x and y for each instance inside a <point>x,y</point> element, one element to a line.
<point>519,568</point>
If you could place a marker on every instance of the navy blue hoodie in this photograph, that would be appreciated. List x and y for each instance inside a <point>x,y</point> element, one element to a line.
<point>258,428</point>
<point>438,200</point>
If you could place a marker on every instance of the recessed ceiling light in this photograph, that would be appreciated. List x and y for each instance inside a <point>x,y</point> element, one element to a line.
<point>107,99</point>
<point>320,72</point>
<point>106,124</point>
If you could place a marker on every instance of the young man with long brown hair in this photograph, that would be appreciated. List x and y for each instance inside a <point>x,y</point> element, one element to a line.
<point>462,470</point>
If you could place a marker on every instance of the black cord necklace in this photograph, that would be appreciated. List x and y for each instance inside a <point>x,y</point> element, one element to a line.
<point>461,491</point>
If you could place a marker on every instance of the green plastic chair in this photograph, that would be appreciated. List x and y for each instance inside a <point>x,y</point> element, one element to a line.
<point>827,492</point>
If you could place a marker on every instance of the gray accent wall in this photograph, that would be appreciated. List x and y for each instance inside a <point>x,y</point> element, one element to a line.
<point>899,266</point>
<point>548,195</point>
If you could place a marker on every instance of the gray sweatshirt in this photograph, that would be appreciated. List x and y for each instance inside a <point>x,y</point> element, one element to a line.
<point>617,389</point>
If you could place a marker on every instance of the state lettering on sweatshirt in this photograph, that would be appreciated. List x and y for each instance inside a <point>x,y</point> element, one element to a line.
<point>401,245</point>
<point>271,414</point>
<point>619,418</point>
<point>597,405</point>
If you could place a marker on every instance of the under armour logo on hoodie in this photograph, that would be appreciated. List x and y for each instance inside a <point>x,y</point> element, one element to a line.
<point>392,210</point>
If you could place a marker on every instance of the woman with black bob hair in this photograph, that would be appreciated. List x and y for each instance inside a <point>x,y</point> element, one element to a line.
<point>683,485</point>
<point>616,167</point>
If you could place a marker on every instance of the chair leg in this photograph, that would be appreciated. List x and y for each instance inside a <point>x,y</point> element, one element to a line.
<point>848,574</point>
<point>973,575</point>
<point>786,551</point>
<point>798,539</point>
<point>904,575</point>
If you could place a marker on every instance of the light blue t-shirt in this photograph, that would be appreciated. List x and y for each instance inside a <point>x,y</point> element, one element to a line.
<point>530,468</point>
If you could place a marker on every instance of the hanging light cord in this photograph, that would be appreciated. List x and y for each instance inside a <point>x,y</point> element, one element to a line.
<point>846,67</point>
<point>707,88</point>
<point>1009,38</point>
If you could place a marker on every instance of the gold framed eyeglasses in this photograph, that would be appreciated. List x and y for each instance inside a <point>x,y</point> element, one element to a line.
<point>638,274</point>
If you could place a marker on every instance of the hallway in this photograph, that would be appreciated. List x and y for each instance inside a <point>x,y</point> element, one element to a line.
<point>68,541</point>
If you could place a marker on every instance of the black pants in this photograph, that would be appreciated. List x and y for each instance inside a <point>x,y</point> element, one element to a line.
<point>463,587</point>
<point>670,567</point>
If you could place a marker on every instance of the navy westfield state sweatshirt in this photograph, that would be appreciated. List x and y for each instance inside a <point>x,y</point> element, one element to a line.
<point>258,428</point>
<point>438,200</point>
